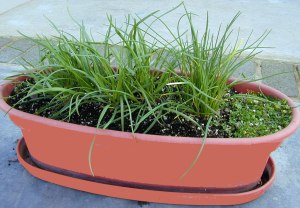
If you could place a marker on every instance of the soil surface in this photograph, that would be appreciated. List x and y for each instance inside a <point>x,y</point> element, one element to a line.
<point>170,124</point>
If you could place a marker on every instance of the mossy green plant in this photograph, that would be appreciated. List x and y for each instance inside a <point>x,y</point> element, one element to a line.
<point>254,115</point>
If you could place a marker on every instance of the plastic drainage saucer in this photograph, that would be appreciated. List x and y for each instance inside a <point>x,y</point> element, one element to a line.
<point>140,193</point>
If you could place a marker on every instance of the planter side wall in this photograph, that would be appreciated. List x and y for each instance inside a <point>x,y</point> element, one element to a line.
<point>152,162</point>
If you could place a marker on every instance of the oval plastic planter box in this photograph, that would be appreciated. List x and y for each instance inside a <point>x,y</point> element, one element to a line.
<point>230,165</point>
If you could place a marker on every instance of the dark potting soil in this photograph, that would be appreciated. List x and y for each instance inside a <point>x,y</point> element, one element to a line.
<point>89,113</point>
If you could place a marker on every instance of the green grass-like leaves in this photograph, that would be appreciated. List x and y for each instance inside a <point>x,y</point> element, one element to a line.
<point>142,75</point>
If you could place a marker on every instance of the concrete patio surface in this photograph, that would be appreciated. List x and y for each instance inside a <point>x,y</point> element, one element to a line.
<point>280,16</point>
<point>19,189</point>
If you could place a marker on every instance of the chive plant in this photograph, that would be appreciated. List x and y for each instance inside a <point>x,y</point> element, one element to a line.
<point>142,76</point>
<point>120,78</point>
<point>206,63</point>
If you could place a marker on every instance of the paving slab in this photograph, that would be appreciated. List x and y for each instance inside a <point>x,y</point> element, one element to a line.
<point>280,76</point>
<point>4,41</point>
<point>14,50</point>
<point>29,57</point>
<point>246,71</point>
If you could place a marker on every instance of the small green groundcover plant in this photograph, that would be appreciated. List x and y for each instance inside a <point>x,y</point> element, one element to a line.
<point>137,80</point>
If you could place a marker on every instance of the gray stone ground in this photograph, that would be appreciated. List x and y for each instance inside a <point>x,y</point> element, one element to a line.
<point>281,16</point>
<point>19,189</point>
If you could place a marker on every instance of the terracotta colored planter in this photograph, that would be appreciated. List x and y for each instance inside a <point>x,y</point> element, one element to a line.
<point>151,160</point>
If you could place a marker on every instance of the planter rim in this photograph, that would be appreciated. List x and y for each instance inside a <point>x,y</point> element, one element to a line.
<point>278,136</point>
